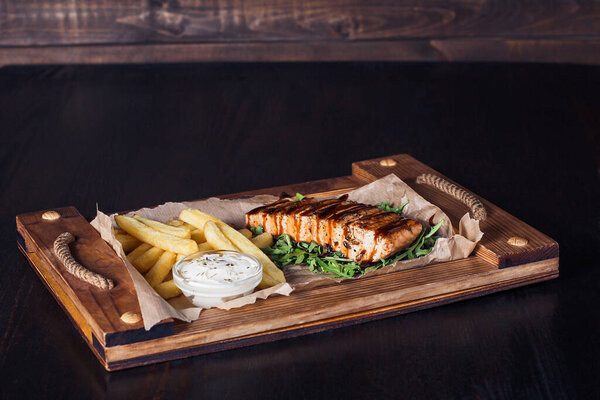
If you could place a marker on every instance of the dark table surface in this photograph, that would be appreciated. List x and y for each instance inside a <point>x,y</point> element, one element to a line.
<point>525,137</point>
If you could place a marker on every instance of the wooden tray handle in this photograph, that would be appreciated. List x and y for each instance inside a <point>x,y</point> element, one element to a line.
<point>467,198</point>
<point>62,251</point>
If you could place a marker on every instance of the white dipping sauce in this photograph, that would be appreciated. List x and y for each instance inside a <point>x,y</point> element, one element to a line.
<point>210,278</point>
<point>220,268</point>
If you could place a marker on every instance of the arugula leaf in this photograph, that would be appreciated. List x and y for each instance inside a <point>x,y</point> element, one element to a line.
<point>299,196</point>
<point>385,206</point>
<point>434,229</point>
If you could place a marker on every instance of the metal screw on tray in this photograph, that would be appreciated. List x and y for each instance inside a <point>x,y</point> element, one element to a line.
<point>387,162</point>
<point>131,317</point>
<point>51,215</point>
<point>517,241</point>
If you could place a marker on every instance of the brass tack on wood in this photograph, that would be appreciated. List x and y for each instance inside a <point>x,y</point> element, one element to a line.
<point>51,215</point>
<point>131,317</point>
<point>517,241</point>
<point>387,162</point>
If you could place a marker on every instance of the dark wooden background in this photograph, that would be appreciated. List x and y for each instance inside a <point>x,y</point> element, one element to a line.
<point>525,136</point>
<point>94,31</point>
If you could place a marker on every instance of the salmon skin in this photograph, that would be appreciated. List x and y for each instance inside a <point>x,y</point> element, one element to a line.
<point>361,232</point>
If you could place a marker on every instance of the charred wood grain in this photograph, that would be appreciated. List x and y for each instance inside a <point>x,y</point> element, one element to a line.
<point>479,30</point>
<point>460,50</point>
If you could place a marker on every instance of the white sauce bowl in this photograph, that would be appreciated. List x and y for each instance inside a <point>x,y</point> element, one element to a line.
<point>208,279</point>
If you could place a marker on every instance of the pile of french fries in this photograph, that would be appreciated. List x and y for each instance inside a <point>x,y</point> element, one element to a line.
<point>153,247</point>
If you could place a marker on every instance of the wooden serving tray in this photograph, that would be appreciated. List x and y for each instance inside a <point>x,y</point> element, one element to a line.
<point>495,265</point>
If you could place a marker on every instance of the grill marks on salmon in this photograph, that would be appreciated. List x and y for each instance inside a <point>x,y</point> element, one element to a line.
<point>361,232</point>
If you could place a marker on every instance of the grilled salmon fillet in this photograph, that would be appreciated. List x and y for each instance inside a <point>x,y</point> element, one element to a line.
<point>361,232</point>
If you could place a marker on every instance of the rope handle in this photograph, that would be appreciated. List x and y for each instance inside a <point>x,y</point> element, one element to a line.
<point>477,208</point>
<point>62,251</point>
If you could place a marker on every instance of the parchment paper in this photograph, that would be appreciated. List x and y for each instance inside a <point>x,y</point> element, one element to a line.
<point>390,188</point>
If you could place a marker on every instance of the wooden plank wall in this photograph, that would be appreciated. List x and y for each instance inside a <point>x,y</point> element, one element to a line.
<point>93,31</point>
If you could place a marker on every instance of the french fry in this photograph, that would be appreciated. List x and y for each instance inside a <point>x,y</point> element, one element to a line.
<point>158,239</point>
<point>161,268</point>
<point>201,247</point>
<point>138,251</point>
<point>263,240</point>
<point>246,246</point>
<point>175,222</point>
<point>167,289</point>
<point>198,235</point>
<point>181,224</point>
<point>267,282</point>
<point>127,241</point>
<point>205,247</point>
<point>216,239</point>
<point>188,226</point>
<point>159,226</point>
<point>245,232</point>
<point>196,218</point>
<point>144,262</point>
